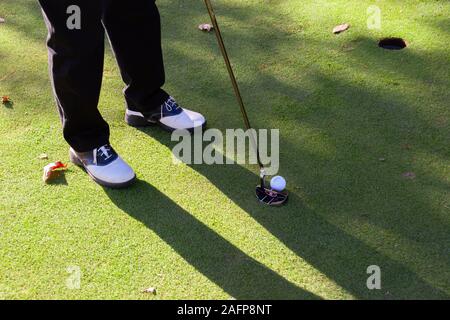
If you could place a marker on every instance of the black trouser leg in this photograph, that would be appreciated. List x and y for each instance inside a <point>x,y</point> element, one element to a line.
<point>76,67</point>
<point>134,30</point>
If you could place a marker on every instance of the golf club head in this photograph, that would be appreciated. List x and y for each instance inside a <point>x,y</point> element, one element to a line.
<point>271,197</point>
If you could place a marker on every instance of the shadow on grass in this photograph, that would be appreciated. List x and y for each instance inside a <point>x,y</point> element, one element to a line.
<point>339,255</point>
<point>360,120</point>
<point>236,273</point>
<point>349,186</point>
<point>59,180</point>
<point>8,105</point>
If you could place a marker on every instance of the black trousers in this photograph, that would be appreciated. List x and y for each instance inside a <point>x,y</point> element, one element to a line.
<point>76,56</point>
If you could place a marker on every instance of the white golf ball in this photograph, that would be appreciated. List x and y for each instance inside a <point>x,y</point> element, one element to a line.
<point>278,183</point>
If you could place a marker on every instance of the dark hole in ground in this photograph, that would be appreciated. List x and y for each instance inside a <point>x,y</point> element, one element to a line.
<point>392,43</point>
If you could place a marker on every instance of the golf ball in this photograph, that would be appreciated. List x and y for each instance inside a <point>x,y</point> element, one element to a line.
<point>278,183</point>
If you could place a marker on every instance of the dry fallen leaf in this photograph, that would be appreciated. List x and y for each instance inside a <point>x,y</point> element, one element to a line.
<point>43,156</point>
<point>150,290</point>
<point>341,28</point>
<point>53,170</point>
<point>6,100</point>
<point>205,27</point>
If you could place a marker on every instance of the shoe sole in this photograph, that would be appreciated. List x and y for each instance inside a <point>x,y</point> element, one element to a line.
<point>75,160</point>
<point>136,121</point>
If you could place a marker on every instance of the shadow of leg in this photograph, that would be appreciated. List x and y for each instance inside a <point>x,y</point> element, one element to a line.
<point>236,273</point>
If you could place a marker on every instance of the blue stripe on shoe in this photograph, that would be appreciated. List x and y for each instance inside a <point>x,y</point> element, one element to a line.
<point>105,155</point>
<point>170,108</point>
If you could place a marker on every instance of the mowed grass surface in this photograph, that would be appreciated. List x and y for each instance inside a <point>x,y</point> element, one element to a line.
<point>195,232</point>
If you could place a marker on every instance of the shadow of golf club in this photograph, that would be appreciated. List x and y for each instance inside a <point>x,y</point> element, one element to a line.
<point>336,253</point>
<point>339,255</point>
<point>235,272</point>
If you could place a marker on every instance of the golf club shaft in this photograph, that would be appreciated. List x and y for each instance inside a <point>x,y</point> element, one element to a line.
<point>233,79</point>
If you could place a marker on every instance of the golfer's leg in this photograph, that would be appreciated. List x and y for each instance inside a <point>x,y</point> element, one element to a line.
<point>76,66</point>
<point>134,31</point>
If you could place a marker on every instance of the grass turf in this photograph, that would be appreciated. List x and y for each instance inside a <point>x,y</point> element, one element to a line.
<point>196,232</point>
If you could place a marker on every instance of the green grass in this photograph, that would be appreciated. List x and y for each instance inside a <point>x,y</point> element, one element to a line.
<point>196,232</point>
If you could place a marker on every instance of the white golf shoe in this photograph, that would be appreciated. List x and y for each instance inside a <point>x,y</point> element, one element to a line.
<point>104,166</point>
<point>170,117</point>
